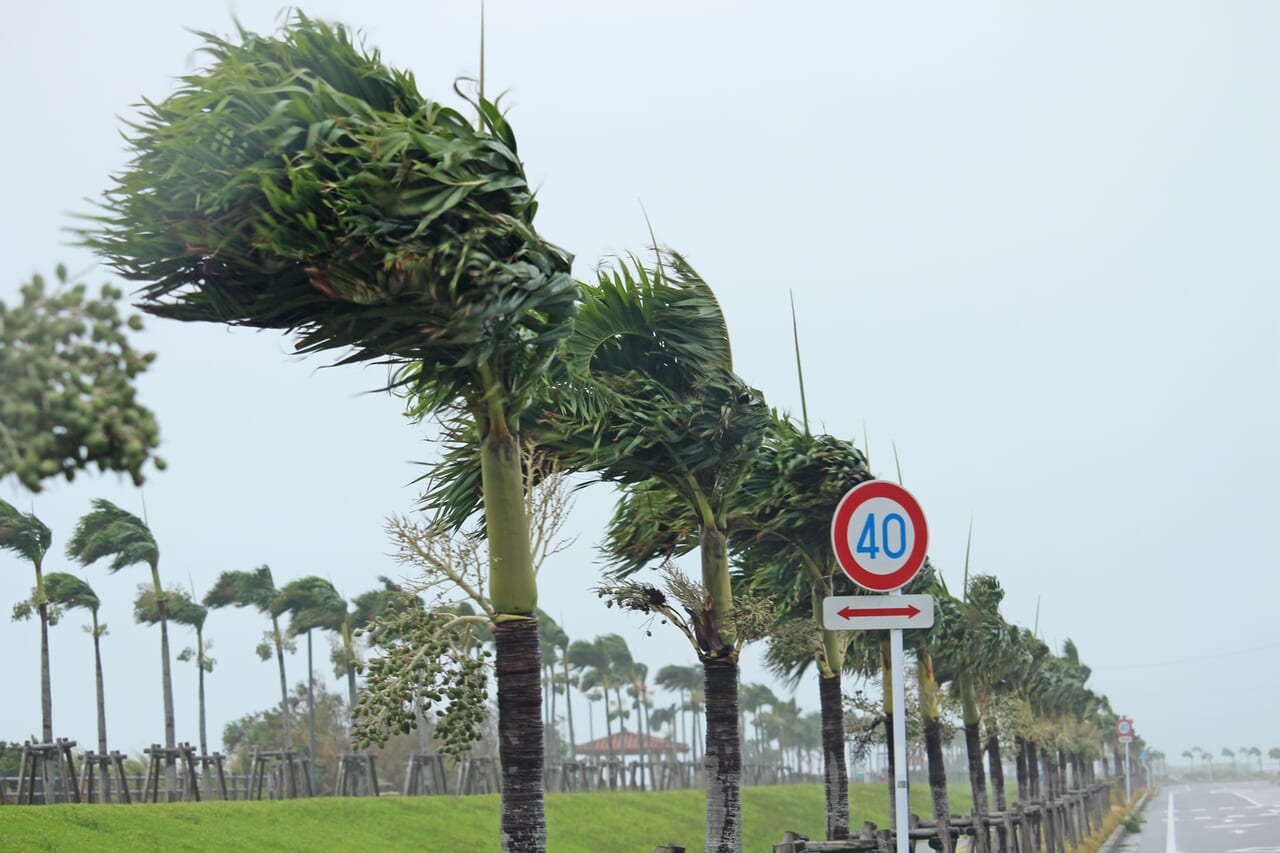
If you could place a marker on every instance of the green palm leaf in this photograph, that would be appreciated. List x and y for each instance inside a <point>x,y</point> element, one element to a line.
<point>24,534</point>
<point>109,531</point>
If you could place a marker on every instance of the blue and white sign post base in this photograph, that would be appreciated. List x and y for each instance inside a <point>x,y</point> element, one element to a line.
<point>879,537</point>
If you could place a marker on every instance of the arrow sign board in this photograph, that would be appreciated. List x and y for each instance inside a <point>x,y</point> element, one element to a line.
<point>876,612</point>
<point>879,535</point>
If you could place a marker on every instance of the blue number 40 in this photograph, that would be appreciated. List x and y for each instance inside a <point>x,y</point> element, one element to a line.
<point>867,538</point>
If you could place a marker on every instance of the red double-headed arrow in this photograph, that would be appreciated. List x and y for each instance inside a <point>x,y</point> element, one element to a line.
<point>908,611</point>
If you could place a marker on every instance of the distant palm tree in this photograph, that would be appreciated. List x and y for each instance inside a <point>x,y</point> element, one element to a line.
<point>256,589</point>
<point>183,610</point>
<point>684,680</point>
<point>603,662</point>
<point>66,591</point>
<point>107,531</point>
<point>27,536</point>
<point>1274,754</point>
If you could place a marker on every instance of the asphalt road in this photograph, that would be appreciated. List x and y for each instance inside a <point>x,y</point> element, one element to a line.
<point>1209,817</point>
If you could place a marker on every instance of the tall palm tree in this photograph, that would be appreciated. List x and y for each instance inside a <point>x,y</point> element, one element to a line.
<point>383,226</point>
<point>107,531</point>
<point>257,589</point>
<point>651,401</point>
<point>28,537</point>
<point>66,591</point>
<point>783,546</point>
<point>183,610</point>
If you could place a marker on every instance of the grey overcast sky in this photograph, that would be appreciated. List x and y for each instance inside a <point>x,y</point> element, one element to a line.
<point>1034,245</point>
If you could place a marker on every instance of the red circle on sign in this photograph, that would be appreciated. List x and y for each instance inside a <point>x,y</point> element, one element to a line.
<point>848,561</point>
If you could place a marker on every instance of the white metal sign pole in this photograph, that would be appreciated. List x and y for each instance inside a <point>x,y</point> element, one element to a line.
<point>901,805</point>
<point>1128,786</point>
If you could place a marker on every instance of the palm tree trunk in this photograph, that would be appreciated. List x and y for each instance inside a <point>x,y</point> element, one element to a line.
<point>723,756</point>
<point>608,720</point>
<point>568,707</point>
<point>931,719</point>
<point>349,649</point>
<point>520,736</point>
<point>102,700</point>
<point>1033,768</point>
<point>46,685</point>
<point>204,738</point>
<point>1024,789</point>
<point>886,687</point>
<point>166,676</point>
<point>835,773</point>
<point>994,763</point>
<point>284,682</point>
<point>973,749</point>
<point>513,592</point>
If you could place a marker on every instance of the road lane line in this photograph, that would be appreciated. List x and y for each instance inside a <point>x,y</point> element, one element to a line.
<point>1248,800</point>
<point>1169,845</point>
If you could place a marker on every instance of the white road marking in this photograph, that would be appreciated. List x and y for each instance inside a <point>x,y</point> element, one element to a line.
<point>1248,800</point>
<point>1169,845</point>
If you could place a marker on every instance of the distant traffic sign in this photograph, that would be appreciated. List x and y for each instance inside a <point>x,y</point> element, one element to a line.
<point>1124,730</point>
<point>876,612</point>
<point>879,535</point>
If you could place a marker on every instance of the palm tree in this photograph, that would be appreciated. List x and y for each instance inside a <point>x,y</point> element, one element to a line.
<point>107,531</point>
<point>1274,755</point>
<point>383,226</point>
<point>66,591</point>
<point>183,610</point>
<point>783,546</point>
<point>564,681</point>
<point>603,662</point>
<point>686,681</point>
<point>972,655</point>
<point>651,401</point>
<point>257,589</point>
<point>551,639</point>
<point>27,536</point>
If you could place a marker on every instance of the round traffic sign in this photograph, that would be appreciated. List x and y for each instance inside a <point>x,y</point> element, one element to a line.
<point>879,535</point>
<point>1124,727</point>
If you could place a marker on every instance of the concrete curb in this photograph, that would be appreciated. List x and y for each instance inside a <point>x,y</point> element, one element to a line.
<point>1118,836</point>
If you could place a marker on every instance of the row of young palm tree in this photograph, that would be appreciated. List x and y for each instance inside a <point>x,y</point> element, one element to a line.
<point>297,183</point>
<point>110,533</point>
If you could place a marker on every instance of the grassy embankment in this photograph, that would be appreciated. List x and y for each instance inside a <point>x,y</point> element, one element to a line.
<point>587,822</point>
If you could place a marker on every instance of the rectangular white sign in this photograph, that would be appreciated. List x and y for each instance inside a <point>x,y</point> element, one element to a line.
<point>876,612</point>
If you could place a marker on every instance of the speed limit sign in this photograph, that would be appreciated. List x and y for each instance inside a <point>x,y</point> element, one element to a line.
<point>879,535</point>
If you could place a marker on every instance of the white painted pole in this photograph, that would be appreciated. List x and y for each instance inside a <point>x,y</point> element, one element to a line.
<point>901,804</point>
<point>1128,785</point>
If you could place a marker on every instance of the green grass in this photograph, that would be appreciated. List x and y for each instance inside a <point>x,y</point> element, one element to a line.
<point>616,821</point>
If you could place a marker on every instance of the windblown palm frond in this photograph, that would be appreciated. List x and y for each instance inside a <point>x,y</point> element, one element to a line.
<point>24,534</point>
<point>650,390</point>
<point>782,538</point>
<point>178,603</point>
<point>109,531</point>
<point>298,183</point>
<point>67,591</point>
<point>311,602</point>
<point>240,588</point>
